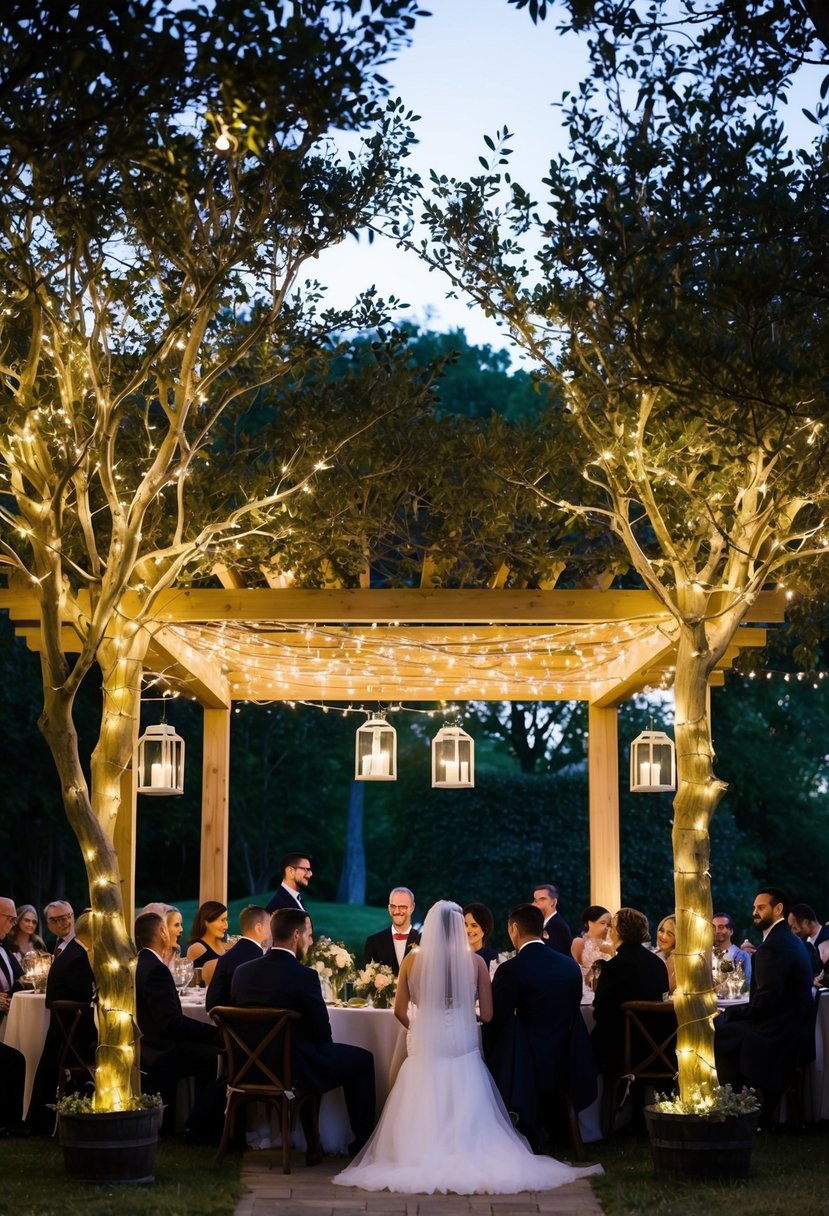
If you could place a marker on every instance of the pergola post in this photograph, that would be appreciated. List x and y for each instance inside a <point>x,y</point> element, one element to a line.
<point>125,831</point>
<point>215,805</point>
<point>603,785</point>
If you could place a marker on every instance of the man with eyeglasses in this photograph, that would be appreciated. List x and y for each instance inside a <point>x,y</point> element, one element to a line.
<point>60,920</point>
<point>390,946</point>
<point>296,870</point>
<point>12,1062</point>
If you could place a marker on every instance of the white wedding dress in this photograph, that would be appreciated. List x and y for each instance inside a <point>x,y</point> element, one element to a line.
<point>444,1126</point>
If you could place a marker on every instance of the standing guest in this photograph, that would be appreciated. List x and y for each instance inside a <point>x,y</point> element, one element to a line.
<point>594,946</point>
<point>60,920</point>
<point>24,937</point>
<point>12,1062</point>
<point>172,1045</point>
<point>206,943</point>
<point>633,974</point>
<point>296,871</point>
<point>479,923</point>
<point>665,947</point>
<point>556,932</point>
<point>803,919</point>
<point>10,969</point>
<point>759,1043</point>
<point>255,926</point>
<point>280,981</point>
<point>391,945</point>
<point>536,997</point>
<point>725,948</point>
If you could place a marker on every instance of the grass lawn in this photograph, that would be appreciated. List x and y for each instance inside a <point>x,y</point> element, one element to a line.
<point>187,1184</point>
<point>789,1177</point>
<point>349,923</point>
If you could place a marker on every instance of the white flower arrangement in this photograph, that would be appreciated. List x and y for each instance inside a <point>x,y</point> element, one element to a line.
<point>376,982</point>
<point>718,1104</point>
<point>332,961</point>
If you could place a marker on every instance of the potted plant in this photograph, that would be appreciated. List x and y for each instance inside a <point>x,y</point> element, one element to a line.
<point>109,1145</point>
<point>710,1134</point>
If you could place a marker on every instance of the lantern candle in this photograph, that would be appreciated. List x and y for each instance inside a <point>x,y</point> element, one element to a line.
<point>650,774</point>
<point>451,772</point>
<point>160,776</point>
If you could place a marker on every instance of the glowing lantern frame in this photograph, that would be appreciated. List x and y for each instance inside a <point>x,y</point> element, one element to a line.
<point>453,759</point>
<point>159,761</point>
<point>652,763</point>
<point>375,750</point>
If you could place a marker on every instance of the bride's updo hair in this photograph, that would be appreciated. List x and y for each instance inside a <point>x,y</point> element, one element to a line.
<point>593,913</point>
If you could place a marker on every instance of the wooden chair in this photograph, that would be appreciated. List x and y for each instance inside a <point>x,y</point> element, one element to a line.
<point>66,1017</point>
<point>650,1030</point>
<point>253,1039</point>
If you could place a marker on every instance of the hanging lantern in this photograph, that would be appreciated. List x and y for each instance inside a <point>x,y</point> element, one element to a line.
<point>375,752</point>
<point>159,761</point>
<point>652,763</point>
<point>453,759</point>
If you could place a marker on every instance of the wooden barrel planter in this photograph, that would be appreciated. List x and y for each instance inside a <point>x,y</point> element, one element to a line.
<point>119,1146</point>
<point>694,1146</point>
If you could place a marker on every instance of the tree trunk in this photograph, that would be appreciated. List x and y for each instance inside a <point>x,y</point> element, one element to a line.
<point>352,886</point>
<point>698,794</point>
<point>93,822</point>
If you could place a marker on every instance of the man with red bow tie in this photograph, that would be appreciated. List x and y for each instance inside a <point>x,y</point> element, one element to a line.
<point>391,945</point>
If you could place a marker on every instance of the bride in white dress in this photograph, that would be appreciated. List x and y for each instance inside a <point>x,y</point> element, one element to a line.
<point>444,1126</point>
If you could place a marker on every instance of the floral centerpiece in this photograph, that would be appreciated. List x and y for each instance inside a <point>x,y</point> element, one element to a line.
<point>334,963</point>
<point>377,984</point>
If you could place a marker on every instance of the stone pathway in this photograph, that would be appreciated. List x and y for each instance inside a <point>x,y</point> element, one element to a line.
<point>309,1192</point>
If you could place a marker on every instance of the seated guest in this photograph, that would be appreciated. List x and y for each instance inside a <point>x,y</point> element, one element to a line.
<point>391,945</point>
<point>174,923</point>
<point>255,924</point>
<point>206,942</point>
<point>633,974</point>
<point>12,1062</point>
<point>665,946</point>
<point>807,927</point>
<point>60,920</point>
<point>479,923</point>
<point>280,981</point>
<point>760,1043</point>
<point>24,937</point>
<point>296,873</point>
<point>70,979</point>
<point>10,969</point>
<point>725,948</point>
<point>172,1045</point>
<point>593,947</point>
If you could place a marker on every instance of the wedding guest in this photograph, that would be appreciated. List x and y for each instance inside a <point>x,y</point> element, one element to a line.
<point>12,1062</point>
<point>725,948</point>
<point>206,942</point>
<point>633,974</point>
<point>24,937</point>
<point>10,969</point>
<point>391,945</point>
<point>172,1045</point>
<point>556,932</point>
<point>760,1043</point>
<point>255,926</point>
<point>594,946</point>
<point>60,920</point>
<point>479,923</point>
<point>296,873</point>
<point>174,924</point>
<point>805,925</point>
<point>665,947</point>
<point>281,981</point>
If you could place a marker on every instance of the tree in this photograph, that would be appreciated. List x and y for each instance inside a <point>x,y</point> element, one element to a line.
<point>166,175</point>
<point>673,288</point>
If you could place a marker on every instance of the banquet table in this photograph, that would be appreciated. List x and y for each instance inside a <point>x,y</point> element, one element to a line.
<point>25,1027</point>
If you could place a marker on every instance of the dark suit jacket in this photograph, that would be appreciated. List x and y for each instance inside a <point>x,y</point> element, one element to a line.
<point>777,1024</point>
<point>11,966</point>
<point>158,1010</point>
<point>633,974</point>
<point>557,934</point>
<point>278,980</point>
<point>379,948</point>
<point>281,898</point>
<point>536,997</point>
<point>218,990</point>
<point>823,935</point>
<point>70,979</point>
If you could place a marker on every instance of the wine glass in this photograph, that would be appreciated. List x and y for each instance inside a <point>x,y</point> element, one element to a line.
<point>183,973</point>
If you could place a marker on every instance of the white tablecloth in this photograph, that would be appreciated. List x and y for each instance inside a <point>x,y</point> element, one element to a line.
<point>24,1027</point>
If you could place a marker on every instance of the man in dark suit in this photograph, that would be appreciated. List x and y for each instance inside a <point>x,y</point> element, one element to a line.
<point>172,1045</point>
<point>60,920</point>
<point>536,997</point>
<point>759,1043</point>
<point>280,981</point>
<point>296,871</point>
<point>556,933</point>
<point>70,979</point>
<point>255,924</point>
<point>10,969</point>
<point>12,1062</point>
<point>391,945</point>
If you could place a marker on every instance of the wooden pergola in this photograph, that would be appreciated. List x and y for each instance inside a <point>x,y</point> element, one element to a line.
<point>334,645</point>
